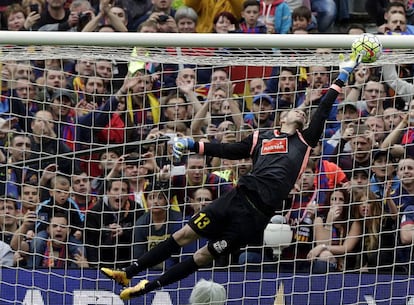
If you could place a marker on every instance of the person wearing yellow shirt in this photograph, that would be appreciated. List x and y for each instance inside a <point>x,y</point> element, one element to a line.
<point>208,9</point>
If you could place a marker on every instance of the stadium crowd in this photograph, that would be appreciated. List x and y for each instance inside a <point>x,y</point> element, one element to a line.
<point>87,175</point>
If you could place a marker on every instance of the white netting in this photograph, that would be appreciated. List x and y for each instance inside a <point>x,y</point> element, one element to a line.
<point>374,265</point>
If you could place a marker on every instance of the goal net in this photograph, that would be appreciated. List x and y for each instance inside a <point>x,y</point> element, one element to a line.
<point>86,127</point>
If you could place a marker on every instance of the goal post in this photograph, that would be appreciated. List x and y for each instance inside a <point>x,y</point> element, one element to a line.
<point>35,66</point>
<point>196,40</point>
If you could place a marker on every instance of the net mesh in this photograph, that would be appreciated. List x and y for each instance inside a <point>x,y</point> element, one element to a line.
<point>82,146</point>
<point>202,56</point>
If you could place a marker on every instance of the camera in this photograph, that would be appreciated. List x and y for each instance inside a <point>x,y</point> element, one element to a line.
<point>84,18</point>
<point>163,18</point>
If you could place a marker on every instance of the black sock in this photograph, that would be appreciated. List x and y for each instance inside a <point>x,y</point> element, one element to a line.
<point>174,274</point>
<point>153,257</point>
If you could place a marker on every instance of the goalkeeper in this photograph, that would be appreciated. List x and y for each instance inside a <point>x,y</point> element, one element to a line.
<point>239,217</point>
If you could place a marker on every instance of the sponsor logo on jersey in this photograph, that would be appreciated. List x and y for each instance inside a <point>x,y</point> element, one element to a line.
<point>274,146</point>
<point>220,246</point>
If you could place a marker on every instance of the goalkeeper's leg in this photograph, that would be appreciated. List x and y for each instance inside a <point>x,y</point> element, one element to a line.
<point>177,272</point>
<point>153,257</point>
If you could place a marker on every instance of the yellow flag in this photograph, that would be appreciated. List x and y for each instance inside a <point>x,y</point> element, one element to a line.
<point>135,66</point>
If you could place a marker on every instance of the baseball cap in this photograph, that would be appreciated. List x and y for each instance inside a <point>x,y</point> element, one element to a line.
<point>263,96</point>
<point>60,93</point>
<point>347,104</point>
<point>363,170</point>
<point>157,186</point>
<point>390,158</point>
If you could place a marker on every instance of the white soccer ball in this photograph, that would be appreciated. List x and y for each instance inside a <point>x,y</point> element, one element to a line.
<point>369,46</point>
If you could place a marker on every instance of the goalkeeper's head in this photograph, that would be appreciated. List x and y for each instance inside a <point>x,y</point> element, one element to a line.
<point>292,120</point>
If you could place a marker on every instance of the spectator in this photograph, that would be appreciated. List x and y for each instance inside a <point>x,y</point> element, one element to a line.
<point>156,225</point>
<point>186,19</point>
<point>224,23</point>
<point>26,92</point>
<point>136,9</point>
<point>138,170</point>
<point>105,124</point>
<point>46,147</point>
<point>59,201</point>
<point>373,98</point>
<point>6,255</point>
<point>106,162</point>
<point>361,142</point>
<point>82,191</point>
<point>300,217</point>
<point>163,13</point>
<point>250,14</point>
<point>384,178</point>
<point>207,10</point>
<point>80,13</point>
<point>376,126</point>
<point>378,240</point>
<point>105,70</point>
<point>331,230</point>
<point>288,93</point>
<point>348,117</point>
<point>328,174</point>
<point>186,82</point>
<point>404,196</point>
<point>403,133</point>
<point>16,17</point>
<point>175,113</point>
<point>19,169</point>
<point>360,179</point>
<point>395,7</point>
<point>57,249</point>
<point>201,198</point>
<point>148,26</point>
<point>109,226</point>
<point>392,117</point>
<point>397,25</point>
<point>196,176</point>
<point>29,198</point>
<point>211,109</point>
<point>276,15</point>
<point>24,234</point>
<point>111,15</point>
<point>226,133</point>
<point>262,115</point>
<point>55,13</point>
<point>9,221</point>
<point>257,85</point>
<point>302,19</point>
<point>34,9</point>
<point>84,68</point>
<point>146,108</point>
<point>355,29</point>
<point>62,102</point>
<point>53,79</point>
<point>207,293</point>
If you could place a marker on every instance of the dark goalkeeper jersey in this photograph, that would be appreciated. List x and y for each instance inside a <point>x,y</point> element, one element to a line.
<point>278,158</point>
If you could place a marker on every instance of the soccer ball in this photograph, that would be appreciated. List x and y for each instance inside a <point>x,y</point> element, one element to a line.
<point>369,46</point>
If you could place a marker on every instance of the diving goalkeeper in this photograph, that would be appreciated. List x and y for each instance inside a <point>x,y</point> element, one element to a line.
<point>279,156</point>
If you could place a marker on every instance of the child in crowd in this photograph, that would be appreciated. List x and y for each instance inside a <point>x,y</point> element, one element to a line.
<point>60,201</point>
<point>251,23</point>
<point>302,20</point>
